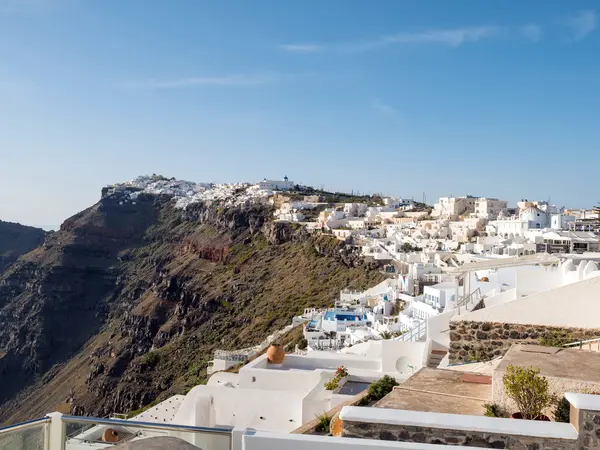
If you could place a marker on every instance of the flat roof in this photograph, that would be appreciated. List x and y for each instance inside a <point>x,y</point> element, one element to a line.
<point>440,391</point>
<point>575,305</point>
<point>569,363</point>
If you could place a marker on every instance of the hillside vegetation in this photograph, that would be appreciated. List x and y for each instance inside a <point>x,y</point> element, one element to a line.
<point>125,304</point>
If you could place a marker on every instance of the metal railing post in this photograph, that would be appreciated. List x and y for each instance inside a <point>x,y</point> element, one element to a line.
<point>55,439</point>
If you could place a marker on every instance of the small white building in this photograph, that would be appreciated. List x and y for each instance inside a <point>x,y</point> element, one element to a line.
<point>448,207</point>
<point>276,185</point>
<point>489,208</point>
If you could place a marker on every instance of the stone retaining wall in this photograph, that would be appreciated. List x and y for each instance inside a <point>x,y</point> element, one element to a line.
<point>442,436</point>
<point>472,341</point>
<point>590,429</point>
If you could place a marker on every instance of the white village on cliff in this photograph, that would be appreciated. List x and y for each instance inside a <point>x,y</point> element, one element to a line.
<point>488,314</point>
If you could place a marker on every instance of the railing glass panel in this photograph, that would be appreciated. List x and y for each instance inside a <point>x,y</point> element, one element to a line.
<point>24,436</point>
<point>84,432</point>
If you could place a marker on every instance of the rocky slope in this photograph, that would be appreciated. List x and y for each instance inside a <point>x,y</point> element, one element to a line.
<point>126,303</point>
<point>16,240</point>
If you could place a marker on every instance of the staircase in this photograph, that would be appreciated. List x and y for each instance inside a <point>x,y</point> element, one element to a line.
<point>469,302</point>
<point>435,358</point>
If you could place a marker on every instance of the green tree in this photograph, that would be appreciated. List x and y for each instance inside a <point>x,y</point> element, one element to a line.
<point>528,389</point>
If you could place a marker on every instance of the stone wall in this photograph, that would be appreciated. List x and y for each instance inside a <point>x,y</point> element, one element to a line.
<point>590,429</point>
<point>470,438</point>
<point>481,341</point>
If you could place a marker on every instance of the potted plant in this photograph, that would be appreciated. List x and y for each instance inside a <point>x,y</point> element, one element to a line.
<point>339,379</point>
<point>529,390</point>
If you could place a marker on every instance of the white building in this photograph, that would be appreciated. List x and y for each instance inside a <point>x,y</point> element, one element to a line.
<point>561,221</point>
<point>276,185</point>
<point>448,207</point>
<point>355,209</point>
<point>489,208</point>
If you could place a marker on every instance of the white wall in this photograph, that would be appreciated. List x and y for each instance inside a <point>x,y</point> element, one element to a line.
<point>253,408</point>
<point>278,380</point>
<point>502,297</point>
<point>272,441</point>
<point>416,353</point>
<point>437,327</point>
<point>531,279</point>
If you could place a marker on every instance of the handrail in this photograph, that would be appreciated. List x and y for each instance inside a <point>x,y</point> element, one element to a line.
<point>572,344</point>
<point>467,299</point>
<point>148,425</point>
<point>23,425</point>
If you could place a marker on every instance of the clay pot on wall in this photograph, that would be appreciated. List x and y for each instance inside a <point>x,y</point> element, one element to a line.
<point>110,435</point>
<point>275,354</point>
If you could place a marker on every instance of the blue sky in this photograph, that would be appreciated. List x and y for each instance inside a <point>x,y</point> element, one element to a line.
<point>494,98</point>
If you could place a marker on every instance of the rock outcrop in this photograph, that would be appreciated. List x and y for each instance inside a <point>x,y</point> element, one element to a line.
<point>16,240</point>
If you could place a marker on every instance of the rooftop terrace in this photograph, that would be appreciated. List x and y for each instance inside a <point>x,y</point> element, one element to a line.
<point>441,391</point>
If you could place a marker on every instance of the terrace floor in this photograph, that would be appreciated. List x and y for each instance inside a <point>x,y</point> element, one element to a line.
<point>442,391</point>
<point>568,363</point>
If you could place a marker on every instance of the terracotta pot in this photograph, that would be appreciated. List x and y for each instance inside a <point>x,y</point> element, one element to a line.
<point>110,435</point>
<point>275,354</point>
<point>542,417</point>
<point>336,426</point>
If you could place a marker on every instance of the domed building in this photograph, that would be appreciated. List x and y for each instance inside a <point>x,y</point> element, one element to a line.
<point>535,217</point>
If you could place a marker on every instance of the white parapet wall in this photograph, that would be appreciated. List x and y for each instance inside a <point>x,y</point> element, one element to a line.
<point>271,441</point>
<point>418,426</point>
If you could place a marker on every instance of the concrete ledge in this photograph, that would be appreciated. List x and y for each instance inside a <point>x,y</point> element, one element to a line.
<point>490,425</point>
<point>584,401</point>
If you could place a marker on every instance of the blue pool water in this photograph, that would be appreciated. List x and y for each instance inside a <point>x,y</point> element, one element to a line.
<point>331,315</point>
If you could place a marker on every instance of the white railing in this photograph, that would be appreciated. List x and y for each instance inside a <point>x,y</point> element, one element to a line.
<point>416,333</point>
<point>589,343</point>
<point>472,299</point>
<point>62,432</point>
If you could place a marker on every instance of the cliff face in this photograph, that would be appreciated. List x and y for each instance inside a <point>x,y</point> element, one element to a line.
<point>125,304</point>
<point>16,240</point>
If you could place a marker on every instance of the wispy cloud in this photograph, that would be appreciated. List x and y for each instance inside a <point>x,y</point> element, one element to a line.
<point>384,109</point>
<point>302,48</point>
<point>582,24</point>
<point>452,37</point>
<point>531,31</point>
<point>214,81</point>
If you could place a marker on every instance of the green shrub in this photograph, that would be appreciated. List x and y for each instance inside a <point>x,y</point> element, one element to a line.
<point>381,388</point>
<point>365,401</point>
<point>528,389</point>
<point>340,373</point>
<point>386,335</point>
<point>302,343</point>
<point>150,359</point>
<point>562,412</point>
<point>555,339</point>
<point>323,424</point>
<point>494,410</point>
<point>332,384</point>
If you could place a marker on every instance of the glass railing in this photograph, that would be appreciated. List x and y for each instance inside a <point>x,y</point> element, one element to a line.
<point>59,432</point>
<point>31,435</point>
<point>102,433</point>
